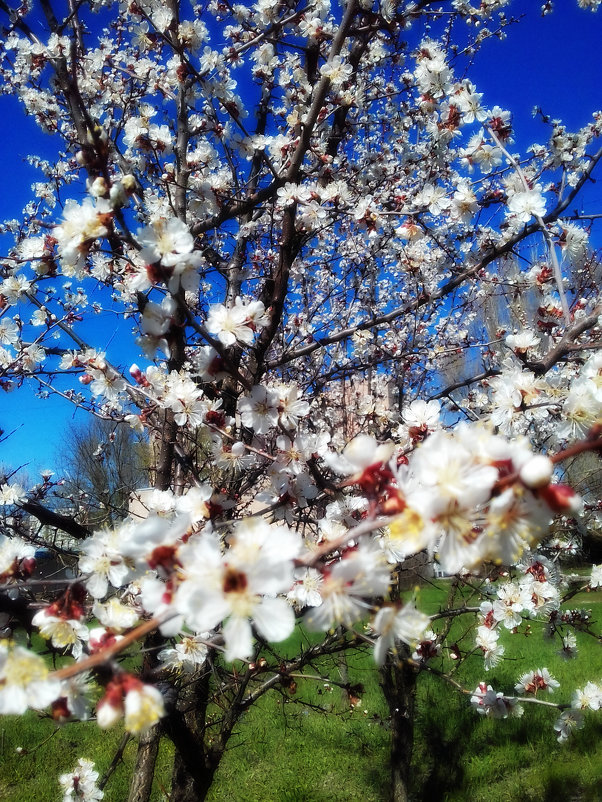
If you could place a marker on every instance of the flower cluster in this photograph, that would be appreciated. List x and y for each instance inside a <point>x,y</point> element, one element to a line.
<point>488,702</point>
<point>466,496</point>
<point>81,784</point>
<point>140,705</point>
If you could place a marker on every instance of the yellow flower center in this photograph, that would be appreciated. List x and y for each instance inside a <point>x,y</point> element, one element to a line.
<point>22,668</point>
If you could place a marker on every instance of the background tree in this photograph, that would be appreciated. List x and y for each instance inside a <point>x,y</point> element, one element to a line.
<point>102,464</point>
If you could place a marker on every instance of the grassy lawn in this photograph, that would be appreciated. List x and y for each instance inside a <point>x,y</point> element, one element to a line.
<point>309,746</point>
<point>285,750</point>
<point>459,755</point>
<point>50,751</point>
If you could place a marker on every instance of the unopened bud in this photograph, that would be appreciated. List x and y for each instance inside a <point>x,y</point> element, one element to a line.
<point>117,196</point>
<point>128,182</point>
<point>27,566</point>
<point>562,498</point>
<point>537,472</point>
<point>98,188</point>
<point>139,376</point>
<point>107,715</point>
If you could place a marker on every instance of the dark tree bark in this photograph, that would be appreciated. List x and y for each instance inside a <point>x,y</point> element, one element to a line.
<point>144,771</point>
<point>63,522</point>
<point>194,764</point>
<point>398,681</point>
<point>141,784</point>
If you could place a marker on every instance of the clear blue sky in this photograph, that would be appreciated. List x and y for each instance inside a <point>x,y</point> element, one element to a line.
<point>551,62</point>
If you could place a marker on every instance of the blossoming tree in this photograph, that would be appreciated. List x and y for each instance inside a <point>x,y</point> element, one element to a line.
<point>302,213</point>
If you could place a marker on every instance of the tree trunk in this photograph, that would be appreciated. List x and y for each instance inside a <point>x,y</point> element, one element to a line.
<point>398,681</point>
<point>148,745</point>
<point>194,763</point>
<point>191,782</point>
<point>144,771</point>
<point>165,460</point>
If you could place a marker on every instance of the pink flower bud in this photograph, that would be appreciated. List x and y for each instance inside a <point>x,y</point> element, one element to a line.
<point>561,498</point>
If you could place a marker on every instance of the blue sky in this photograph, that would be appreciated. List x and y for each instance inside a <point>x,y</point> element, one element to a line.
<point>551,62</point>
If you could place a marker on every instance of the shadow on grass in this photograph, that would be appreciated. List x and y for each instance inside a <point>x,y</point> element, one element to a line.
<point>438,752</point>
<point>459,755</point>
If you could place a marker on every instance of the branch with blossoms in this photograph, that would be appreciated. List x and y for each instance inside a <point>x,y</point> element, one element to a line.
<point>493,254</point>
<point>529,203</point>
<point>346,587</point>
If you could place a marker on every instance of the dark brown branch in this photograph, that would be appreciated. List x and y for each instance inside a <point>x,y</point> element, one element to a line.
<point>565,345</point>
<point>117,759</point>
<point>465,382</point>
<point>63,522</point>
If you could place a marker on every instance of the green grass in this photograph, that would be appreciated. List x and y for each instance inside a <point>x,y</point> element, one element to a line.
<point>309,757</point>
<point>460,755</point>
<point>286,750</point>
<point>50,751</point>
<point>309,746</point>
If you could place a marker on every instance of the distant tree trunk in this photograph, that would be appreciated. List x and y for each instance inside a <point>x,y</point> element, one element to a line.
<point>103,462</point>
<point>398,681</point>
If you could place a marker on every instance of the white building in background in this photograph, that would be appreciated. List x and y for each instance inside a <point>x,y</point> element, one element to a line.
<point>139,502</point>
